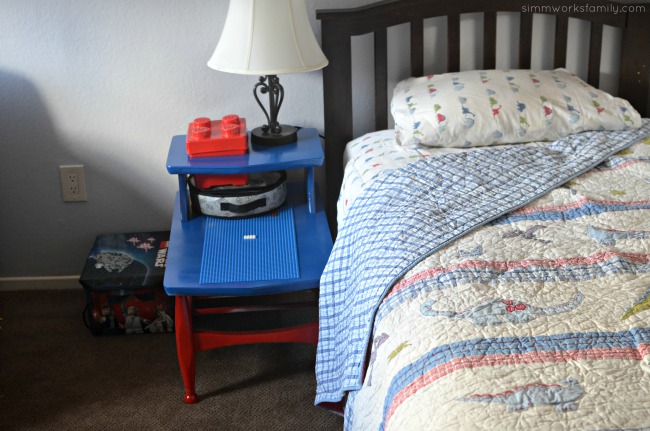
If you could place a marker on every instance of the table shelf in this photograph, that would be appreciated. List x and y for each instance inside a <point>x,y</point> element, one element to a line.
<point>313,241</point>
<point>305,153</point>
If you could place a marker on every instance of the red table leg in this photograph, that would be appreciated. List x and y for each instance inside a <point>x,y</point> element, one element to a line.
<point>189,341</point>
<point>185,346</point>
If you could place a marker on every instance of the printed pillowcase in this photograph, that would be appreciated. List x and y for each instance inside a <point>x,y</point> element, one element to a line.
<point>490,107</point>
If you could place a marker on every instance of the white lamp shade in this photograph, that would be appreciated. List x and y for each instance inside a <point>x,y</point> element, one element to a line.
<point>267,37</point>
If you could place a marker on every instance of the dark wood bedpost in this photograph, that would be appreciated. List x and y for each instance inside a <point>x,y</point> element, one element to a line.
<point>337,94</point>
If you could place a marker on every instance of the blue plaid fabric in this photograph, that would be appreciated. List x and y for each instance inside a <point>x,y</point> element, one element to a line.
<point>413,211</point>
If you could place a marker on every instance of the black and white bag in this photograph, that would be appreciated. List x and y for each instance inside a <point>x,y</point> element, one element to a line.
<point>264,192</point>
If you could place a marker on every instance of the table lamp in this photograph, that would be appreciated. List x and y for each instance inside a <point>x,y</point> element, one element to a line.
<point>268,38</point>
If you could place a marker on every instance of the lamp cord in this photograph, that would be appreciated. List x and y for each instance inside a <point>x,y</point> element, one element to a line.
<point>301,127</point>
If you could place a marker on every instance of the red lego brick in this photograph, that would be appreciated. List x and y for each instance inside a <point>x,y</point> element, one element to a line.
<point>225,137</point>
<point>207,181</point>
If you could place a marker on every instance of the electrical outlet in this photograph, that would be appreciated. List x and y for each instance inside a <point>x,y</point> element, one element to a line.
<point>73,183</point>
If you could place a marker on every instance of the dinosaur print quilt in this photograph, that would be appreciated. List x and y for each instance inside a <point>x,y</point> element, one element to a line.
<point>520,300</point>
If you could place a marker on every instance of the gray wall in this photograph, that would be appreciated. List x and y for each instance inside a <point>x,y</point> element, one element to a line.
<point>107,84</point>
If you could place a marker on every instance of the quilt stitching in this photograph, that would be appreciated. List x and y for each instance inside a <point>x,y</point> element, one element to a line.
<point>477,186</point>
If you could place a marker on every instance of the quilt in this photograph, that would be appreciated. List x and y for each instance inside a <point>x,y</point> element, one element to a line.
<point>525,312</point>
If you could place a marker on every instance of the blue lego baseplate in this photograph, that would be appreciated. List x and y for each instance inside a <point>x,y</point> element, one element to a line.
<point>250,249</point>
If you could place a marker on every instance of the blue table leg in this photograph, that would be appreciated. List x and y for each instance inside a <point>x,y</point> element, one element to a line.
<point>311,198</point>
<point>182,188</point>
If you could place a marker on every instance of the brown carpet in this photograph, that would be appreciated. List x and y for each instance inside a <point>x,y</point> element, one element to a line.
<point>55,375</point>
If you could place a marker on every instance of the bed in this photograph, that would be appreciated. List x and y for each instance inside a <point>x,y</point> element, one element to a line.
<point>491,268</point>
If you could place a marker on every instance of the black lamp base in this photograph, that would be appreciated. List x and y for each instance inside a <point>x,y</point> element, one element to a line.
<point>286,136</point>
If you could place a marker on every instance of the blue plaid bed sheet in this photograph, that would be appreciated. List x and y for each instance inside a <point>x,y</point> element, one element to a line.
<point>413,211</point>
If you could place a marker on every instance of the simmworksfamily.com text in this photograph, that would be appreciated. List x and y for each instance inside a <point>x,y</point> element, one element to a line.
<point>582,8</point>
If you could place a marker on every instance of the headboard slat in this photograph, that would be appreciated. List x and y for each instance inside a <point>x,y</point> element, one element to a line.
<point>525,39</point>
<point>489,40</point>
<point>635,63</point>
<point>561,32</point>
<point>417,48</point>
<point>595,45</point>
<point>453,43</point>
<point>381,80</point>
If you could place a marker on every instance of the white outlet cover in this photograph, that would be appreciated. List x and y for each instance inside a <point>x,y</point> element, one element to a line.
<point>73,183</point>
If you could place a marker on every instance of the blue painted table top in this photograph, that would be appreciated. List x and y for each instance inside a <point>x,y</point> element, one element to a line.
<point>305,152</point>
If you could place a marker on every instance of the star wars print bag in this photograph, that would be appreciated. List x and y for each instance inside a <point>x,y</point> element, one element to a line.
<point>264,192</point>
<point>123,285</point>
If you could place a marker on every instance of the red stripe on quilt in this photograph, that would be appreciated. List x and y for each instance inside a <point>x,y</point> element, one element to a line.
<point>627,353</point>
<point>622,165</point>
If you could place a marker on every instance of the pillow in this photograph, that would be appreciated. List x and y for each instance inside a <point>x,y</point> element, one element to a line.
<point>488,107</point>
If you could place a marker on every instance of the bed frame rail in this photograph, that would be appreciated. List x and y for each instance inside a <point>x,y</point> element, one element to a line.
<point>338,26</point>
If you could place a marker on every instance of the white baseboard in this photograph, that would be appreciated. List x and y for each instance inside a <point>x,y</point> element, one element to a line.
<point>40,283</point>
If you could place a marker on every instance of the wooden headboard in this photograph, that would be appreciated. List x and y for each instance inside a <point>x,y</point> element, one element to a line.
<point>339,26</point>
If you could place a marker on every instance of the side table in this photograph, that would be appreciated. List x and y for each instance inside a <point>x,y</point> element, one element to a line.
<point>313,245</point>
